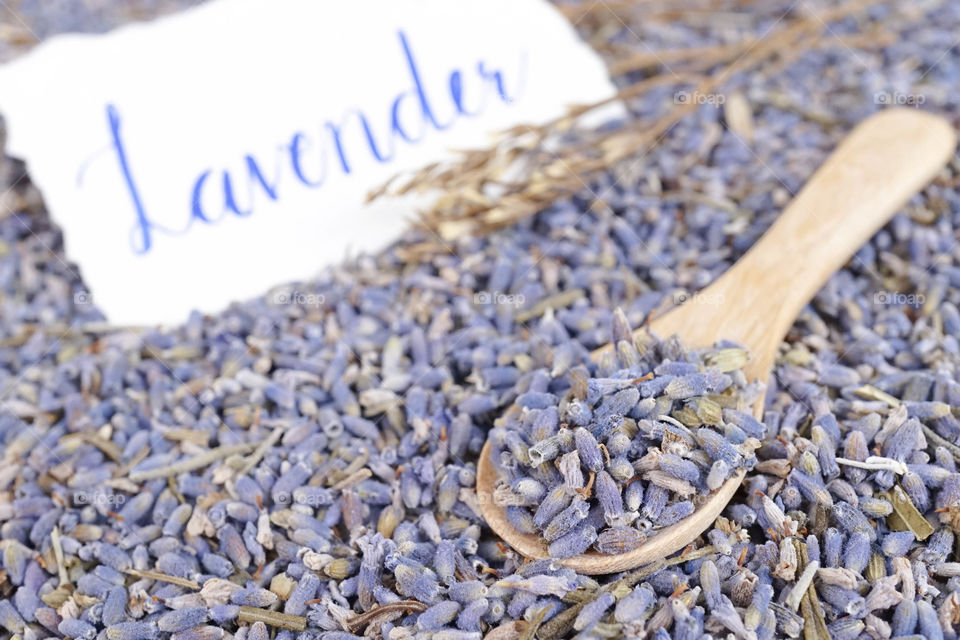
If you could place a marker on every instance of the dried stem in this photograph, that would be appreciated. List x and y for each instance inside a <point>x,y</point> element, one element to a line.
<point>58,556</point>
<point>196,462</point>
<point>359,622</point>
<point>272,618</point>
<point>533,166</point>
<point>163,577</point>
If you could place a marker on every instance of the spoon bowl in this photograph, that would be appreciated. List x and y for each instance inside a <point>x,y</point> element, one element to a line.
<point>884,161</point>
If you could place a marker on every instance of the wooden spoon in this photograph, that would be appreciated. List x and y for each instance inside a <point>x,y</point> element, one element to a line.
<point>884,161</point>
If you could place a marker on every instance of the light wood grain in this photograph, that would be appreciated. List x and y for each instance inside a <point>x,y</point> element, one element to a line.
<point>884,161</point>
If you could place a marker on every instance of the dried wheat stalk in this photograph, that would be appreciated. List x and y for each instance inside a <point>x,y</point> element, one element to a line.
<point>531,167</point>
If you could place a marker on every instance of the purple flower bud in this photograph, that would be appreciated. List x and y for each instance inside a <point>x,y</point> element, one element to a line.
<point>589,449</point>
<point>438,615</point>
<point>591,613</point>
<point>182,619</point>
<point>573,543</point>
<point>566,520</point>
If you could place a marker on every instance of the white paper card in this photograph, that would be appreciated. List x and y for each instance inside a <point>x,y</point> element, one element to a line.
<point>208,156</point>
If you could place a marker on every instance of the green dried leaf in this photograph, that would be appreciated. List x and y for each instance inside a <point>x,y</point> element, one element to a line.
<point>272,618</point>
<point>869,392</point>
<point>906,516</point>
<point>535,622</point>
<point>814,623</point>
<point>687,416</point>
<point>707,410</point>
<point>729,399</point>
<point>876,568</point>
<point>727,360</point>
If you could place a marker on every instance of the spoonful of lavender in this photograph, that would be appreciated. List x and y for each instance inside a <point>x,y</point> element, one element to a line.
<point>641,451</point>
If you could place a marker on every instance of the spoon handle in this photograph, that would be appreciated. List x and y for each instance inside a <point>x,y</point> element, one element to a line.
<point>882,163</point>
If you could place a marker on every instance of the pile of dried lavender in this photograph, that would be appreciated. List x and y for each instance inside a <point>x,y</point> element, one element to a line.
<point>605,461</point>
<point>308,470</point>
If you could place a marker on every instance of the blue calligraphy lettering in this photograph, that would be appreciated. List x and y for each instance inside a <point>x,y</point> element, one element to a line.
<point>412,116</point>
